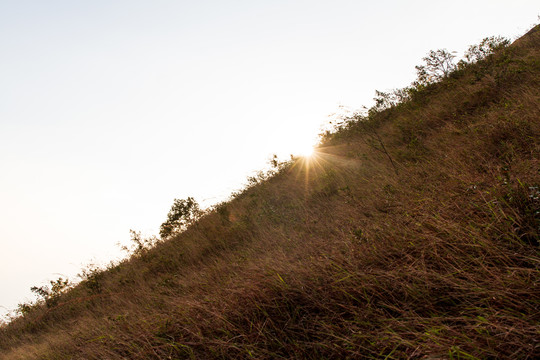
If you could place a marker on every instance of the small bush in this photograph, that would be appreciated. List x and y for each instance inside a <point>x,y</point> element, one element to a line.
<point>182,214</point>
<point>140,244</point>
<point>485,48</point>
<point>92,278</point>
<point>49,295</point>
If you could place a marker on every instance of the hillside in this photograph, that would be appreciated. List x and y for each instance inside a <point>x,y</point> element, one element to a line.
<point>412,232</point>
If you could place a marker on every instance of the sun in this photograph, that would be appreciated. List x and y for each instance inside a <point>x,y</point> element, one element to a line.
<point>298,145</point>
<point>304,146</point>
<point>306,151</point>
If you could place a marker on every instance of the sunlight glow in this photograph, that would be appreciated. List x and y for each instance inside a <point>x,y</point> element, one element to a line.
<point>306,151</point>
<point>302,146</point>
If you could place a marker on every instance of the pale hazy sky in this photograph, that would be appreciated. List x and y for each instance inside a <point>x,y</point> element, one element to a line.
<point>111,109</point>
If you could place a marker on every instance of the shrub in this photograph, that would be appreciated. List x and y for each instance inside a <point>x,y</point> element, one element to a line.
<point>485,48</point>
<point>48,295</point>
<point>139,243</point>
<point>92,277</point>
<point>182,214</point>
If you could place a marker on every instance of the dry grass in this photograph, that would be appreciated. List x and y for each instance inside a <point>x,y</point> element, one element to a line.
<point>339,257</point>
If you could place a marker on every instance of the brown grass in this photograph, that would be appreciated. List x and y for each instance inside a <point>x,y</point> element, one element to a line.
<point>339,257</point>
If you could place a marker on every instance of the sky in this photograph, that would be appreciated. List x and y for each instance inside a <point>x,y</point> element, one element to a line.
<point>111,109</point>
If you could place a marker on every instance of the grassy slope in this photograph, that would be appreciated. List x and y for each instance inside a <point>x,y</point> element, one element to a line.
<point>340,257</point>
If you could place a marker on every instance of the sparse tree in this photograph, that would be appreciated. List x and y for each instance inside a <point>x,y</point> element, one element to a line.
<point>438,65</point>
<point>372,138</point>
<point>182,214</point>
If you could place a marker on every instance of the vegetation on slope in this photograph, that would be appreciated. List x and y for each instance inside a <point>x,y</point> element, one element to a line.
<point>412,232</point>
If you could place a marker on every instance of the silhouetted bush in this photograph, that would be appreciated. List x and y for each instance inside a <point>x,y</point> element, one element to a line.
<point>182,214</point>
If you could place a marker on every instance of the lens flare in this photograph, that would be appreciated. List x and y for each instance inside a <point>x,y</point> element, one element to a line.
<point>306,151</point>
<point>304,147</point>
